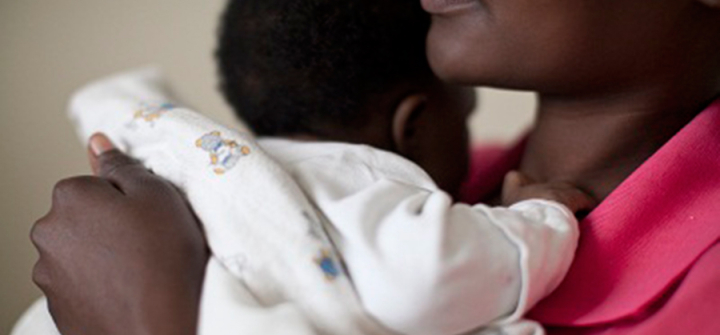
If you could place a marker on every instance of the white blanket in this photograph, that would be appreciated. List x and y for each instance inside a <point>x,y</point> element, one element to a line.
<point>274,268</point>
<point>241,294</point>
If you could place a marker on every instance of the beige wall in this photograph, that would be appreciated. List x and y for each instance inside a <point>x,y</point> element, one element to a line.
<point>49,48</point>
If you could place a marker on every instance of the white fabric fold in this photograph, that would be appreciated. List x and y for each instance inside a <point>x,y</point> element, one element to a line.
<point>329,238</point>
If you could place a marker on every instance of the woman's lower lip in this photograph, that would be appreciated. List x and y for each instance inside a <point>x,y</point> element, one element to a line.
<point>446,6</point>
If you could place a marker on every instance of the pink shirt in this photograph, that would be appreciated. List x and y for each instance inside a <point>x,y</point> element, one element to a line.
<point>649,255</point>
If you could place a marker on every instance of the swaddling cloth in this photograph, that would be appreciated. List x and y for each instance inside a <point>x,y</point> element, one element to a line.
<point>270,254</point>
<point>273,268</point>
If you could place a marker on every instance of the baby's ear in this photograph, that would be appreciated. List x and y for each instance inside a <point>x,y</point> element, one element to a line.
<point>404,125</point>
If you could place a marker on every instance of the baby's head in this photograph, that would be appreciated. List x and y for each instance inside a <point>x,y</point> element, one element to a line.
<point>351,71</point>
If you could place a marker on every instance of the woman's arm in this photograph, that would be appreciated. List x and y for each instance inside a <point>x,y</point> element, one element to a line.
<point>121,253</point>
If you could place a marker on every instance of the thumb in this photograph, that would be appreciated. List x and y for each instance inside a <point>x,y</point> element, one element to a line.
<point>98,144</point>
<point>108,162</point>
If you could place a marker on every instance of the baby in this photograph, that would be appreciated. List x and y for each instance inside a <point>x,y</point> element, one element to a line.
<point>340,93</point>
<point>340,218</point>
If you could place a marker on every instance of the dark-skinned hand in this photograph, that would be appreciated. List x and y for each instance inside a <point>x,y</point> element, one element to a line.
<point>120,252</point>
<point>518,187</point>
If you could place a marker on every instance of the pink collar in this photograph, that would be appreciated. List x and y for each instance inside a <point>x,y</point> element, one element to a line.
<point>647,233</point>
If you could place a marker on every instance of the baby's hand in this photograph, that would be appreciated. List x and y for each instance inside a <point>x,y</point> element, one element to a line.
<point>518,187</point>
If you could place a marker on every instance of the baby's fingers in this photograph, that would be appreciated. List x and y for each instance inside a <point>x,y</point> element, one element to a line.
<point>577,200</point>
<point>514,182</point>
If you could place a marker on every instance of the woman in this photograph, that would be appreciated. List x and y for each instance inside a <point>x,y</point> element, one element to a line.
<point>624,90</point>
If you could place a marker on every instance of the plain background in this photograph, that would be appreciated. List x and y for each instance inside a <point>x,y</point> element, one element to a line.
<point>50,48</point>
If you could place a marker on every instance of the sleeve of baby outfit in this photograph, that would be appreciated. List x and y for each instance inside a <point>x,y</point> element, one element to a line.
<point>135,110</point>
<point>192,152</point>
<point>423,265</point>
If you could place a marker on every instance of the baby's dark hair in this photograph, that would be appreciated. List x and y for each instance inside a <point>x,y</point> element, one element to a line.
<point>299,66</point>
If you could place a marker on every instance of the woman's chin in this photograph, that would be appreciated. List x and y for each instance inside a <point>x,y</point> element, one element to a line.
<point>468,60</point>
<point>459,57</point>
<point>451,66</point>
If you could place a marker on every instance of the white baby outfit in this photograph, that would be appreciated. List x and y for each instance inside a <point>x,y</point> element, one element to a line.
<point>330,238</point>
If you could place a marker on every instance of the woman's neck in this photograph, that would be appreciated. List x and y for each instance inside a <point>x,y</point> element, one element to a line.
<point>596,143</point>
